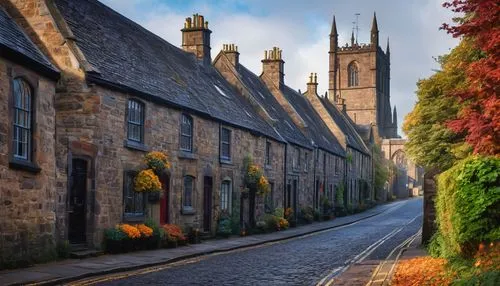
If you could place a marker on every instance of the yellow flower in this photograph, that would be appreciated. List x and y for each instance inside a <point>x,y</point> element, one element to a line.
<point>147,181</point>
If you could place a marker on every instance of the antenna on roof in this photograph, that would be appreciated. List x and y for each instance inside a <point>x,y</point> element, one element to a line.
<point>356,26</point>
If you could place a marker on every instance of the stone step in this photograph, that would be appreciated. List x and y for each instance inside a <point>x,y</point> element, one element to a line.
<point>206,235</point>
<point>85,253</point>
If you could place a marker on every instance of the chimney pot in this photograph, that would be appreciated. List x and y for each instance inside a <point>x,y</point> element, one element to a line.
<point>196,37</point>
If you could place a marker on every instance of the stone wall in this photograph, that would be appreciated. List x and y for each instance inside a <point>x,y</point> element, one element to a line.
<point>27,198</point>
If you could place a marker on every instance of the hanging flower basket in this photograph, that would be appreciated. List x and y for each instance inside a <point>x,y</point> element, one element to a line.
<point>157,161</point>
<point>147,181</point>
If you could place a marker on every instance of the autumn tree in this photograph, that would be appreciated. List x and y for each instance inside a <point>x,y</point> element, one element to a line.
<point>479,119</point>
<point>430,142</point>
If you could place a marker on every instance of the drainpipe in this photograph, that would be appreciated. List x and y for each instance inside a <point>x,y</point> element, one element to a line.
<point>285,176</point>
<point>315,150</point>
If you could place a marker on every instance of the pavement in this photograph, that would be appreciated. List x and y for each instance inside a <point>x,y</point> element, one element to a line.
<point>380,273</point>
<point>74,269</point>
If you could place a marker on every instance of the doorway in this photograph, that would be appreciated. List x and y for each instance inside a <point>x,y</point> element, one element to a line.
<point>164,202</point>
<point>207,203</point>
<point>77,202</point>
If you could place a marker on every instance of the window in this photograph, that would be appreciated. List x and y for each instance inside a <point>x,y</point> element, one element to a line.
<point>187,133</point>
<point>225,195</point>
<point>268,153</point>
<point>268,199</point>
<point>133,202</point>
<point>135,119</point>
<point>225,144</point>
<point>188,192</point>
<point>352,74</point>
<point>296,158</point>
<point>22,121</point>
<point>306,161</point>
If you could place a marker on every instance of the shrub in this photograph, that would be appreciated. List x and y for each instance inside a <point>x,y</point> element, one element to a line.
<point>224,227</point>
<point>307,214</point>
<point>173,232</point>
<point>288,215</point>
<point>279,212</point>
<point>272,222</point>
<point>317,215</point>
<point>468,205</point>
<point>283,224</point>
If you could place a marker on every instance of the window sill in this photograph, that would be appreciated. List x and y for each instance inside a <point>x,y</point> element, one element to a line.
<point>24,165</point>
<point>136,146</point>
<point>188,211</point>
<point>133,218</point>
<point>226,161</point>
<point>187,155</point>
<point>268,167</point>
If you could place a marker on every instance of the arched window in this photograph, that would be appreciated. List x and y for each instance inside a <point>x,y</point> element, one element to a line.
<point>135,120</point>
<point>187,202</point>
<point>352,74</point>
<point>186,133</point>
<point>23,115</point>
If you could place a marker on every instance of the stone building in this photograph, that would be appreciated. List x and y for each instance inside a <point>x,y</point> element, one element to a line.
<point>102,91</point>
<point>358,176</point>
<point>27,155</point>
<point>324,175</point>
<point>118,99</point>
<point>359,74</point>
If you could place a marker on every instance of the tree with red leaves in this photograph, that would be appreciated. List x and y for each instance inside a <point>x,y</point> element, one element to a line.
<point>479,120</point>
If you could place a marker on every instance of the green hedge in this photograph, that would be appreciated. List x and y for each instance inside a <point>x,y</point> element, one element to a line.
<point>467,206</point>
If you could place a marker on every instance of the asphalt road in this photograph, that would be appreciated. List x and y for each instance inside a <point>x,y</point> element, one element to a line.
<point>301,261</point>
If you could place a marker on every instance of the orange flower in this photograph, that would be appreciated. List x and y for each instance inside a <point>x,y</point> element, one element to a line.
<point>173,232</point>
<point>130,231</point>
<point>145,230</point>
<point>157,160</point>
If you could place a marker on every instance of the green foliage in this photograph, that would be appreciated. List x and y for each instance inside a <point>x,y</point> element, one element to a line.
<point>468,205</point>
<point>307,214</point>
<point>489,278</point>
<point>224,227</point>
<point>114,234</point>
<point>158,232</point>
<point>272,222</point>
<point>63,249</point>
<point>381,172</point>
<point>339,195</point>
<point>279,212</point>
<point>430,142</point>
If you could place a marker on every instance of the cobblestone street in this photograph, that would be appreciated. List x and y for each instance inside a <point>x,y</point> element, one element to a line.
<point>302,261</point>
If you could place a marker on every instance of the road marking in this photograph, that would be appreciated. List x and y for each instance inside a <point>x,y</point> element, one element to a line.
<point>329,278</point>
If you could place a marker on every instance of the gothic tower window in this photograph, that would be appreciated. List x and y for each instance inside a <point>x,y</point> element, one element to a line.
<point>352,71</point>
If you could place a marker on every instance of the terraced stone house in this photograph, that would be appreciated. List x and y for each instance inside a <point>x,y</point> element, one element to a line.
<point>85,93</point>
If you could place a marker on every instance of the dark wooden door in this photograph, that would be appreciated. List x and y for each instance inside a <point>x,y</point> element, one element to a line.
<point>77,201</point>
<point>295,194</point>
<point>164,202</point>
<point>207,203</point>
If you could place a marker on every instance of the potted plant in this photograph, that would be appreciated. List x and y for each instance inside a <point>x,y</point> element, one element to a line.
<point>113,240</point>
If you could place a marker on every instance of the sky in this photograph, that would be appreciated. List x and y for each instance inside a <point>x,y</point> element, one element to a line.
<point>301,28</point>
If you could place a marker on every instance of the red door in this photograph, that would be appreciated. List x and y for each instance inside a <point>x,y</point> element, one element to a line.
<point>164,219</point>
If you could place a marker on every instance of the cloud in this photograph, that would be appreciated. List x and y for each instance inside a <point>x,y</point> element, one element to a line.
<point>301,29</point>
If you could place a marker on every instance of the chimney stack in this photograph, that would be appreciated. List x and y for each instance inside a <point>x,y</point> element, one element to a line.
<point>273,67</point>
<point>312,85</point>
<point>231,52</point>
<point>196,38</point>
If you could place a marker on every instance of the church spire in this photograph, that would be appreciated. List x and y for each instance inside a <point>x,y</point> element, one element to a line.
<point>352,39</point>
<point>374,30</point>
<point>334,28</point>
<point>387,50</point>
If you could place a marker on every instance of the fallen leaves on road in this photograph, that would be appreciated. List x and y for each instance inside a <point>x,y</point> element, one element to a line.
<point>422,271</point>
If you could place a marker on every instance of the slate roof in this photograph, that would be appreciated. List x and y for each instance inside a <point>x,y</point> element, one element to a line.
<point>284,123</point>
<point>125,55</point>
<point>353,138</point>
<point>316,128</point>
<point>17,46</point>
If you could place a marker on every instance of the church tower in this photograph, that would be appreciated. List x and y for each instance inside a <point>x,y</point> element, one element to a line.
<point>359,75</point>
